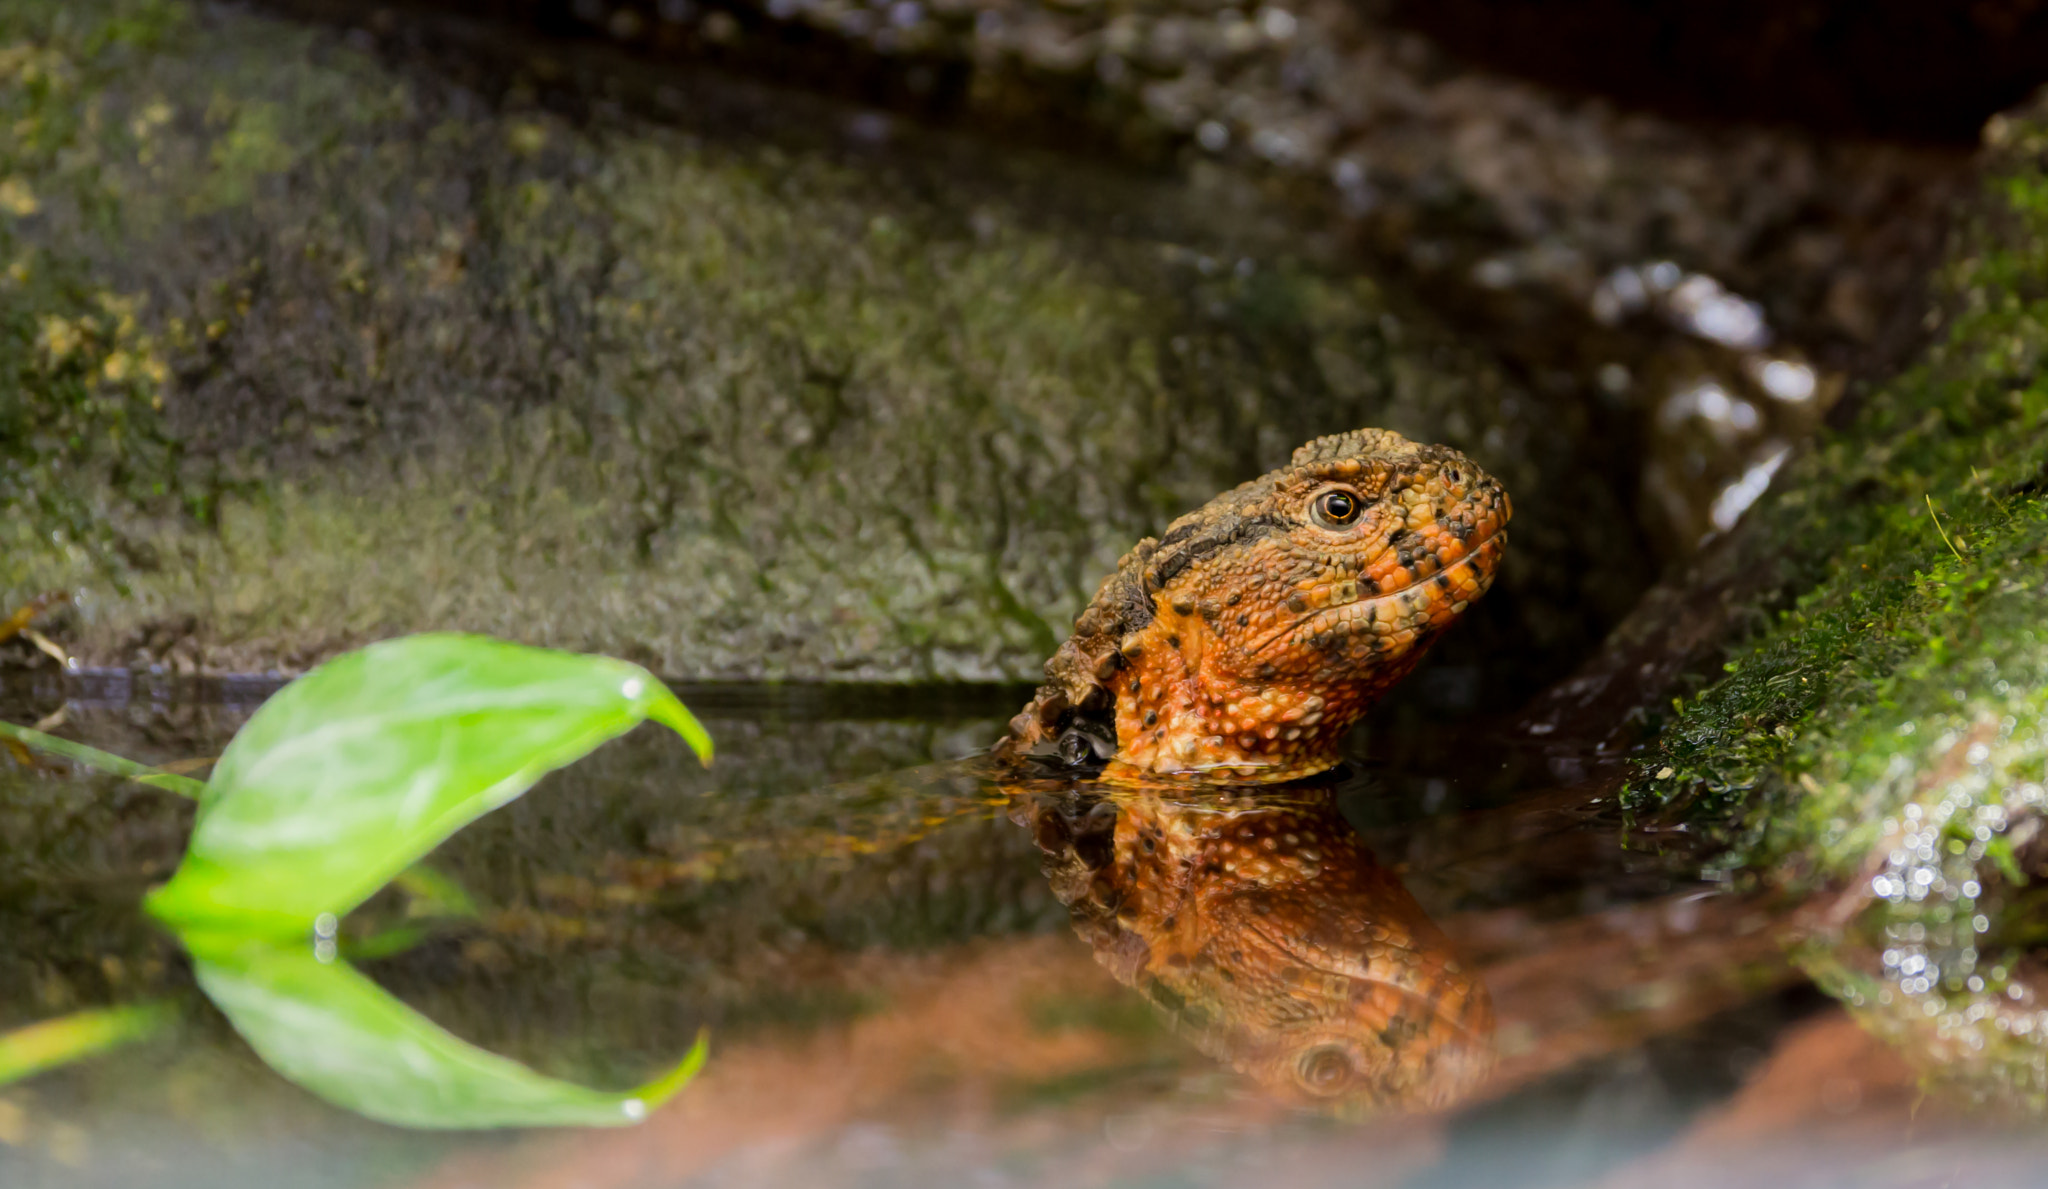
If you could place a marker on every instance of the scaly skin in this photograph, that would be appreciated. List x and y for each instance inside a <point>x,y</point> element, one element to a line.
<point>1265,928</point>
<point>1242,644</point>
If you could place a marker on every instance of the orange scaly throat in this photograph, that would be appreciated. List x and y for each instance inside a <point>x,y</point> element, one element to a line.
<point>1244,642</point>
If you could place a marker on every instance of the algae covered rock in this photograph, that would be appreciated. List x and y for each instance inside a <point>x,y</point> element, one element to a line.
<point>307,348</point>
<point>1883,742</point>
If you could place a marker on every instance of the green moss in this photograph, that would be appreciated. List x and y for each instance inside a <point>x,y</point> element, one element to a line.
<point>82,378</point>
<point>1883,740</point>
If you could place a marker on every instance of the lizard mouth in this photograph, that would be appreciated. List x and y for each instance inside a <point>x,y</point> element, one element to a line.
<point>1472,554</point>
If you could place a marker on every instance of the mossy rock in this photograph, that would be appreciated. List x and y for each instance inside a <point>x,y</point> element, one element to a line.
<point>303,348</point>
<point>1882,743</point>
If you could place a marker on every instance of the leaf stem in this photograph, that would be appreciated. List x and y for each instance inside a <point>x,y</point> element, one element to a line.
<point>1937,527</point>
<point>53,1043</point>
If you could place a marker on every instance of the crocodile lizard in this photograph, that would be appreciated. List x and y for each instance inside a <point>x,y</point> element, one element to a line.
<point>1241,644</point>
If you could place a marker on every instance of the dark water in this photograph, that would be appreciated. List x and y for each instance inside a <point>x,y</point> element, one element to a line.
<point>897,962</point>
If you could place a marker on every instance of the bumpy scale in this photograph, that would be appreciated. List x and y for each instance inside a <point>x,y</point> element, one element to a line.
<point>1243,643</point>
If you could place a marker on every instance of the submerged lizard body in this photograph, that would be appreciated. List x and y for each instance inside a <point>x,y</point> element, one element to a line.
<point>1243,643</point>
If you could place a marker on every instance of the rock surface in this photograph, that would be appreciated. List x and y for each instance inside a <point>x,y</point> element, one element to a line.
<point>306,348</point>
<point>1709,285</point>
<point>1881,742</point>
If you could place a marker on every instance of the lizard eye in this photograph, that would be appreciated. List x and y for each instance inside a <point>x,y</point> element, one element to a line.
<point>1336,509</point>
<point>1325,1069</point>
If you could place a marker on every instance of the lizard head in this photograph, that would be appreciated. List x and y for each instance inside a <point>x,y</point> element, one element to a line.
<point>1245,640</point>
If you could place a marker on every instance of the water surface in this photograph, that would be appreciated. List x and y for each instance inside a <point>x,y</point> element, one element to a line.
<point>914,974</point>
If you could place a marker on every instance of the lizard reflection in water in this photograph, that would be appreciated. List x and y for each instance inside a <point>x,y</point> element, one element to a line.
<point>1263,927</point>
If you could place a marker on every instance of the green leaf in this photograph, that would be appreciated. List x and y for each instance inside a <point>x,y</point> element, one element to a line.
<point>355,770</point>
<point>52,1043</point>
<point>327,1028</point>
<point>79,753</point>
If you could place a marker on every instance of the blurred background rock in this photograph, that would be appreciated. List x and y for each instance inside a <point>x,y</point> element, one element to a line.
<point>852,340</point>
